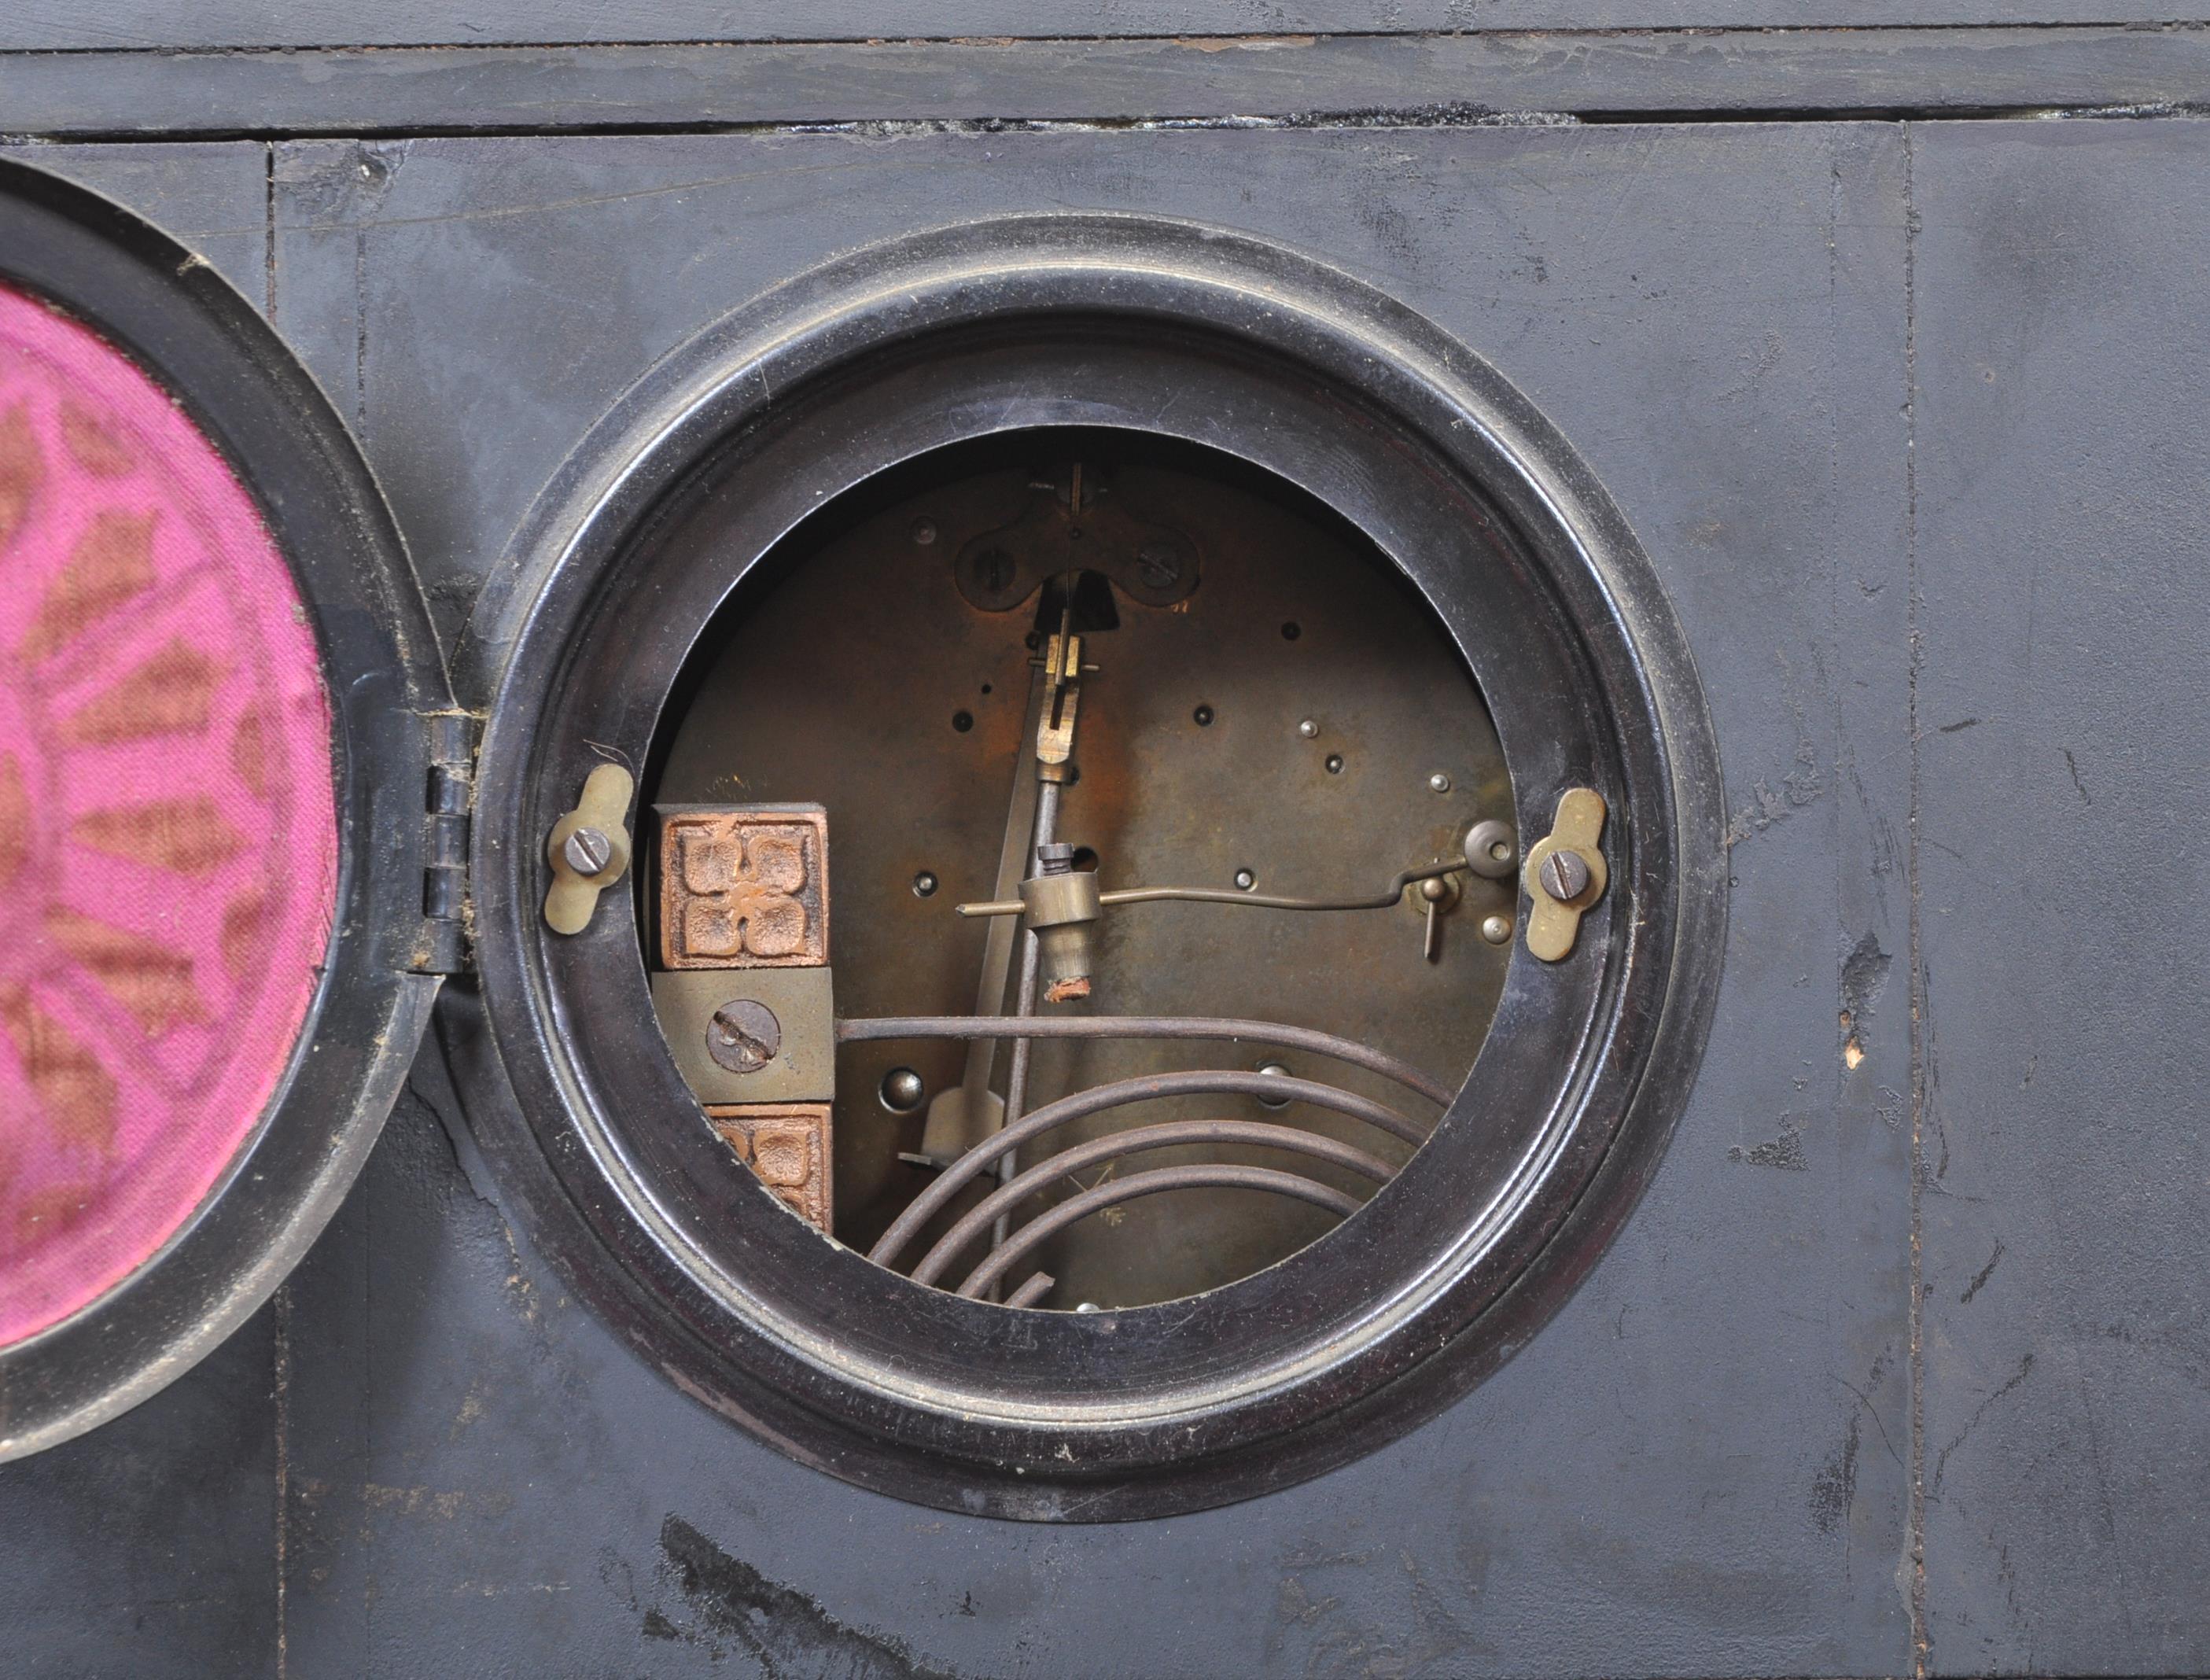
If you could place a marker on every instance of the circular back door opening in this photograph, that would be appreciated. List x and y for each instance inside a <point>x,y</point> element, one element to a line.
<point>1097,905</point>
<point>1264,712</point>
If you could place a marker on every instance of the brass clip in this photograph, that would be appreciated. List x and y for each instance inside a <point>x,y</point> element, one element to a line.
<point>1565,875</point>
<point>589,849</point>
<point>1062,692</point>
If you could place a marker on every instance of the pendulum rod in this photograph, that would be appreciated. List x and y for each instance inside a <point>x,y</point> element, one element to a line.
<point>1054,750</point>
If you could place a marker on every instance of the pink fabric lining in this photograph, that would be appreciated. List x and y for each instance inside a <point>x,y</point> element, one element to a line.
<point>168,833</point>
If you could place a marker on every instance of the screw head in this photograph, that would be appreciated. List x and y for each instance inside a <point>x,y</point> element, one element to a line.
<point>1308,728</point>
<point>1495,929</point>
<point>744,1035</point>
<point>1335,763</point>
<point>924,884</point>
<point>1440,783</point>
<point>924,531</point>
<point>1273,1070</point>
<point>1160,563</point>
<point>1244,880</point>
<point>588,851</point>
<point>902,1091</point>
<point>1564,875</point>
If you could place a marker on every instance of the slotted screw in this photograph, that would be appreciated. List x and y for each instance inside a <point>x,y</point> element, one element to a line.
<point>744,1035</point>
<point>588,851</point>
<point>1565,875</point>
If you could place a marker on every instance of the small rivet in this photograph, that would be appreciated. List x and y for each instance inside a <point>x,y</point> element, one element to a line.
<point>588,851</point>
<point>1335,763</point>
<point>1440,783</point>
<point>924,531</point>
<point>1434,889</point>
<point>1308,728</point>
<point>1273,1070</point>
<point>1244,880</point>
<point>902,1091</point>
<point>1495,929</point>
<point>924,884</point>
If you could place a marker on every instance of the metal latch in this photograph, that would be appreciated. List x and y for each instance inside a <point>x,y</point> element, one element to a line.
<point>1565,875</point>
<point>589,849</point>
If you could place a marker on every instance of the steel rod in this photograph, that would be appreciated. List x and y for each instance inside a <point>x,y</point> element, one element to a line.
<point>1166,1135</point>
<point>1038,1286</point>
<point>1001,1257</point>
<point>1014,851</point>
<point>1119,1093</point>
<point>1024,998</point>
<point>1215,1028</point>
<point>1017,1073</point>
<point>1220,895</point>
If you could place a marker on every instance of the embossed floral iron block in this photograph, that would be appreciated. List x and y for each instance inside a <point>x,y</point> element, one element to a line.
<point>787,1145</point>
<point>744,886</point>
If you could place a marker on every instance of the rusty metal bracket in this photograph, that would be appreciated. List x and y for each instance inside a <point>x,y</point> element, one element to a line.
<point>594,832</point>
<point>1565,873</point>
<point>1062,693</point>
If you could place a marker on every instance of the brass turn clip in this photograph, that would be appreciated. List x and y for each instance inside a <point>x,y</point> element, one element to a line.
<point>589,849</point>
<point>1565,875</point>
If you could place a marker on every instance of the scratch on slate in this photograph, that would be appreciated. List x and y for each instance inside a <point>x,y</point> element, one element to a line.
<point>1785,1151</point>
<point>1942,1460</point>
<point>1985,1272</point>
<point>1834,1488</point>
<point>2073,764</point>
<point>785,1632</point>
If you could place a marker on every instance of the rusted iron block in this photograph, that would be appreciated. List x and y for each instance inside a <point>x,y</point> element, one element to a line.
<point>744,886</point>
<point>787,1143</point>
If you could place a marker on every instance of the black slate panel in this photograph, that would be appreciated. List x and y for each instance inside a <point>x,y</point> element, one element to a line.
<point>211,197</point>
<point>1331,80</point>
<point>52,25</point>
<point>1701,1465</point>
<point>148,1547</point>
<point>2062,281</point>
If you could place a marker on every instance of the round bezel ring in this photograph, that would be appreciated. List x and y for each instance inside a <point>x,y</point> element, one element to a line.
<point>1296,369</point>
<point>206,345</point>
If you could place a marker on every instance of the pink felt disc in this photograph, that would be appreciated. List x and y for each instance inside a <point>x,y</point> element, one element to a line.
<point>168,833</point>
